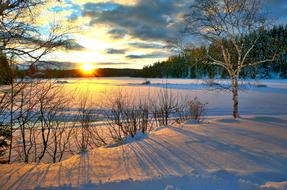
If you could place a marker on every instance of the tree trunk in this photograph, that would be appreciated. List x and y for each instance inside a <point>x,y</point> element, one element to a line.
<point>11,120</point>
<point>235,97</point>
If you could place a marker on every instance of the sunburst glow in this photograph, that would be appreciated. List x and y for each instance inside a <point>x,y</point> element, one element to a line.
<point>87,68</point>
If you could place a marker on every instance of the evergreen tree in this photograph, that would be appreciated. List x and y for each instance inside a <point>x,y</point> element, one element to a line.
<point>5,70</point>
<point>195,62</point>
<point>4,136</point>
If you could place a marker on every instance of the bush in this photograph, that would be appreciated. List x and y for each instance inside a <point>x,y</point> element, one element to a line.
<point>126,118</point>
<point>196,109</point>
<point>164,106</point>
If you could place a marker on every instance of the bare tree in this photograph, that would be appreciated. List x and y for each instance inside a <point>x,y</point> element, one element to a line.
<point>20,36</point>
<point>164,106</point>
<point>225,24</point>
<point>21,40</point>
<point>61,135</point>
<point>14,90</point>
<point>127,117</point>
<point>145,123</point>
<point>42,130</point>
<point>84,119</point>
<point>25,119</point>
<point>115,117</point>
<point>50,103</point>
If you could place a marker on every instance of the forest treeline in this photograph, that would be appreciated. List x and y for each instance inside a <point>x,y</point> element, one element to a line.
<point>72,73</point>
<point>195,63</point>
<point>33,72</point>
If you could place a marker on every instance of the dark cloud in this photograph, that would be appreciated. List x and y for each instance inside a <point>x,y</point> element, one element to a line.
<point>145,45</point>
<point>148,19</point>
<point>69,44</point>
<point>52,65</point>
<point>148,56</point>
<point>115,51</point>
<point>118,33</point>
<point>155,19</point>
<point>111,63</point>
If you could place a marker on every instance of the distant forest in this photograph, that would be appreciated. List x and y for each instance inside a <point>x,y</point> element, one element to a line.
<point>192,64</point>
<point>74,73</point>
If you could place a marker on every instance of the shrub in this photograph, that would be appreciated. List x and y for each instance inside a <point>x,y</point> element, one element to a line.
<point>196,109</point>
<point>127,118</point>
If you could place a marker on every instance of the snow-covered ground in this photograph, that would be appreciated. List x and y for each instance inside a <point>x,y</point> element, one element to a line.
<point>220,153</point>
<point>268,100</point>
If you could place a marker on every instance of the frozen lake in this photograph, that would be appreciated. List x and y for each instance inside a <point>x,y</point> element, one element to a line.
<point>271,99</point>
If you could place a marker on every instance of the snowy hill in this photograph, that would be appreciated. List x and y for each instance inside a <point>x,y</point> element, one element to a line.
<point>221,153</point>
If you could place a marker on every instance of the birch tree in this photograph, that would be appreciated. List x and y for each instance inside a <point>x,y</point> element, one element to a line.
<point>225,24</point>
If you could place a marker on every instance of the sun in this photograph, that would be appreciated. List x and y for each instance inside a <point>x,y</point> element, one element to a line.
<point>87,68</point>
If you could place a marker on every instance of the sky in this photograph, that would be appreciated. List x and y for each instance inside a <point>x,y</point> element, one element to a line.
<point>126,33</point>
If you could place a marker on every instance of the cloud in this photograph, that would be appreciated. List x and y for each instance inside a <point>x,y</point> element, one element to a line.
<point>118,33</point>
<point>145,45</point>
<point>147,20</point>
<point>124,2</point>
<point>73,9</point>
<point>73,45</point>
<point>112,63</point>
<point>148,56</point>
<point>55,65</point>
<point>153,19</point>
<point>115,51</point>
